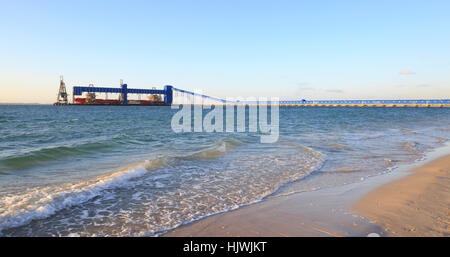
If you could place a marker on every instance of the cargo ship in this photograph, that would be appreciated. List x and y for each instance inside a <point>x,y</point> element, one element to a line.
<point>83,95</point>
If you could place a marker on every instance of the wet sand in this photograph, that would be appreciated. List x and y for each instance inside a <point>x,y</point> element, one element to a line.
<point>417,205</point>
<point>311,214</point>
<point>411,200</point>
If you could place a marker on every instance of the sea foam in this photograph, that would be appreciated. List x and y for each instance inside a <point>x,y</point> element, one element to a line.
<point>17,210</point>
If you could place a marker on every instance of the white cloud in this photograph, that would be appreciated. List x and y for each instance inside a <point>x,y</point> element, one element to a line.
<point>406,72</point>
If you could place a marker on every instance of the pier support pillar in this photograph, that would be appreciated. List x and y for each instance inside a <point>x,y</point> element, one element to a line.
<point>168,97</point>
<point>124,93</point>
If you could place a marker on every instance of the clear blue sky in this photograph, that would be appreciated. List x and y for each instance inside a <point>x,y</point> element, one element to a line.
<point>291,49</point>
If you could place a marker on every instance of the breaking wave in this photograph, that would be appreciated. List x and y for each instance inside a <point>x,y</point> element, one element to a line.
<point>40,203</point>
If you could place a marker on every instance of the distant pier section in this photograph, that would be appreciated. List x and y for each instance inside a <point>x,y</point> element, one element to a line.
<point>370,103</point>
<point>326,103</point>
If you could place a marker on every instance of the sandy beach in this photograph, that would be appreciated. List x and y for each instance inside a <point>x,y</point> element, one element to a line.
<point>417,205</point>
<point>411,201</point>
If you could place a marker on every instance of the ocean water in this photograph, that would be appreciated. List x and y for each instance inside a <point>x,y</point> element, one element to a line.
<point>121,171</point>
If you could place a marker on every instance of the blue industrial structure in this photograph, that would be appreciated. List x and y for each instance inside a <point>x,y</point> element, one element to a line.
<point>168,95</point>
<point>124,90</point>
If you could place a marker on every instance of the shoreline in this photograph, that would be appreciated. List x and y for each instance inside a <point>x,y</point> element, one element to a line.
<point>325,212</point>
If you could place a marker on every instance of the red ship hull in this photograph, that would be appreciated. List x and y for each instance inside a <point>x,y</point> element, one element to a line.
<point>83,101</point>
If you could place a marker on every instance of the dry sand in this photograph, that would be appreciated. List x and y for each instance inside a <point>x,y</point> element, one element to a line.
<point>417,205</point>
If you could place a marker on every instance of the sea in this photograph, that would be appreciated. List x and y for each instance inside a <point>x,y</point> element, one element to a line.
<point>123,171</point>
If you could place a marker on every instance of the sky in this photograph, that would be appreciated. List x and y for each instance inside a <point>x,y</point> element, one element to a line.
<point>391,49</point>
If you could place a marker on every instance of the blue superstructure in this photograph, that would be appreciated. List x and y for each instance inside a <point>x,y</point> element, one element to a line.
<point>124,90</point>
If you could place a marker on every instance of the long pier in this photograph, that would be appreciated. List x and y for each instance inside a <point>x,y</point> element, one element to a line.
<point>331,103</point>
<point>167,96</point>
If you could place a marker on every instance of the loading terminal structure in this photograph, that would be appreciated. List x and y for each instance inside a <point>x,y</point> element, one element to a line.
<point>165,97</point>
<point>123,91</point>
